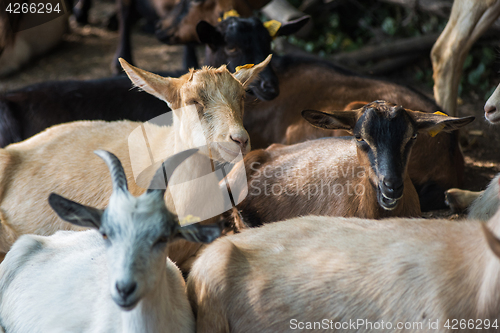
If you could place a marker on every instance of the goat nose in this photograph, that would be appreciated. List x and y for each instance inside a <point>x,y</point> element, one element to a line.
<point>489,108</point>
<point>393,184</point>
<point>240,139</point>
<point>125,289</point>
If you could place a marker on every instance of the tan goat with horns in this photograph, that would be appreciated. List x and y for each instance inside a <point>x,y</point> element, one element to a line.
<point>48,162</point>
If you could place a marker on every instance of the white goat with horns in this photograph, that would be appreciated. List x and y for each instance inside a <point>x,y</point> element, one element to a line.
<point>115,279</point>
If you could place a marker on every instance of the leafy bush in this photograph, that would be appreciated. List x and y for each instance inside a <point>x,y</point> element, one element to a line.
<point>349,25</point>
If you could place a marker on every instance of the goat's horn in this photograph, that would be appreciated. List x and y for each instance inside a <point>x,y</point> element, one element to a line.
<point>118,177</point>
<point>160,181</point>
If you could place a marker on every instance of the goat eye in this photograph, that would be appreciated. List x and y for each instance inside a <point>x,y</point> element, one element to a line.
<point>104,236</point>
<point>414,136</point>
<point>359,138</point>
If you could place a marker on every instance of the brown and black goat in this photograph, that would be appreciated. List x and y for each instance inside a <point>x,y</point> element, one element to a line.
<point>360,176</point>
<point>307,83</point>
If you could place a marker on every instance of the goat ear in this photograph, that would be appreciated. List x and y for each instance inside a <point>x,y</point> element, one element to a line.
<point>199,233</point>
<point>332,120</point>
<point>493,241</point>
<point>292,26</point>
<point>75,213</point>
<point>208,34</point>
<point>433,123</point>
<point>246,74</point>
<point>164,88</point>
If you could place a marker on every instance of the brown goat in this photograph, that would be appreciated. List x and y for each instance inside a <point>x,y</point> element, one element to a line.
<point>436,163</point>
<point>350,275</point>
<point>62,155</point>
<point>364,176</point>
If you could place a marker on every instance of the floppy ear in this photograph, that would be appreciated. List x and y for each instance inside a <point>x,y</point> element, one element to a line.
<point>246,74</point>
<point>199,233</point>
<point>332,120</point>
<point>75,213</point>
<point>433,123</point>
<point>292,26</point>
<point>208,34</point>
<point>164,88</point>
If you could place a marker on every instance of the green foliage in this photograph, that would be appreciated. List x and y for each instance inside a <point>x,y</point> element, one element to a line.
<point>350,25</point>
<point>389,26</point>
<point>479,73</point>
<point>354,24</point>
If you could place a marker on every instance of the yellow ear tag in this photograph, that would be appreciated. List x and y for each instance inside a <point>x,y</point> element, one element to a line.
<point>244,66</point>
<point>229,13</point>
<point>272,26</point>
<point>189,219</point>
<point>439,128</point>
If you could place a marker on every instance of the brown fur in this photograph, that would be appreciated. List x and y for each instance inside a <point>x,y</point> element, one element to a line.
<point>329,156</point>
<point>60,159</point>
<point>303,132</point>
<point>319,177</point>
<point>320,87</point>
<point>312,268</point>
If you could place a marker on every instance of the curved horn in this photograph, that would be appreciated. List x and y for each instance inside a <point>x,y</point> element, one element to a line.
<point>160,179</point>
<point>118,177</point>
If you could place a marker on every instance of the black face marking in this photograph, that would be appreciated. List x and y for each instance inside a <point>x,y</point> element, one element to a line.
<point>384,133</point>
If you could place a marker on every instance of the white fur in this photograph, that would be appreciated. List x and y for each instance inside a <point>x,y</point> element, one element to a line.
<point>60,284</point>
<point>487,203</point>
<point>493,103</point>
<point>485,206</point>
<point>69,282</point>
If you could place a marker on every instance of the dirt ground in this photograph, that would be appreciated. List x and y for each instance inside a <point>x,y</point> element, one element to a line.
<point>87,52</point>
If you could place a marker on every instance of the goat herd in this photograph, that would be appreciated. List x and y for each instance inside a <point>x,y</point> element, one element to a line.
<point>349,253</point>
